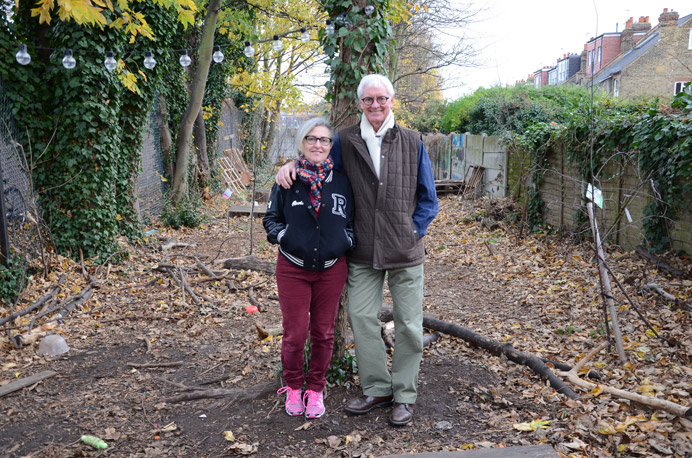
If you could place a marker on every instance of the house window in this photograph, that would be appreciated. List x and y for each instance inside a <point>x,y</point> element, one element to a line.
<point>616,88</point>
<point>599,55</point>
<point>689,43</point>
<point>680,86</point>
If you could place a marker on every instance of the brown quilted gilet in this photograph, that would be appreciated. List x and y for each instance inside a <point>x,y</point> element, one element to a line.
<point>386,237</point>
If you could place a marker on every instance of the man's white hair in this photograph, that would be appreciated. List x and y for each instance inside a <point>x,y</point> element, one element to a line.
<point>375,80</point>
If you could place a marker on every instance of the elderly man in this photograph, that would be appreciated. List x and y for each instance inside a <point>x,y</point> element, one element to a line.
<point>395,201</point>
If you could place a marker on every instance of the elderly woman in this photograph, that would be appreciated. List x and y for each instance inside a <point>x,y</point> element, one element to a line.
<point>312,222</point>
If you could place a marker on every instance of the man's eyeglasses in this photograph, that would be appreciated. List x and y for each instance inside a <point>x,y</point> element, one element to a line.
<point>368,101</point>
<point>311,140</point>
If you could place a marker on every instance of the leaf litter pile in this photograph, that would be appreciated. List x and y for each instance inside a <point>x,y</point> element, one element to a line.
<point>175,350</point>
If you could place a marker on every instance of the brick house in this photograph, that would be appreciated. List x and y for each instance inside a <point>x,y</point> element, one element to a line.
<point>600,51</point>
<point>540,77</point>
<point>658,64</point>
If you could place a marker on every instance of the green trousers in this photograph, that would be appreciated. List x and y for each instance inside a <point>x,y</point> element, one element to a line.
<point>365,294</point>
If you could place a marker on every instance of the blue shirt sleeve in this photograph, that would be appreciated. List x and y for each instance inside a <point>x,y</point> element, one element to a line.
<point>336,154</point>
<point>426,208</point>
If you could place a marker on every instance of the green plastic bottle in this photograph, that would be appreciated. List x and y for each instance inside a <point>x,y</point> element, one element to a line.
<point>95,442</point>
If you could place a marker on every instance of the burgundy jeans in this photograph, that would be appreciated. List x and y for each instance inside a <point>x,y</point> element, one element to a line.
<point>309,302</point>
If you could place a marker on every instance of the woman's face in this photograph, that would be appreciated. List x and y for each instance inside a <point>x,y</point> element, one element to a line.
<point>317,152</point>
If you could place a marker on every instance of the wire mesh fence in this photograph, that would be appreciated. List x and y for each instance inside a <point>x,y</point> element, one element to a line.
<point>19,220</point>
<point>228,136</point>
<point>150,185</point>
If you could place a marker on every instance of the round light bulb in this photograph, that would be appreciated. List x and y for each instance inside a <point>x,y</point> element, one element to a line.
<point>68,61</point>
<point>149,61</point>
<point>329,28</point>
<point>22,56</point>
<point>185,60</point>
<point>369,9</point>
<point>110,62</point>
<point>218,55</point>
<point>249,51</point>
<point>277,44</point>
<point>304,35</point>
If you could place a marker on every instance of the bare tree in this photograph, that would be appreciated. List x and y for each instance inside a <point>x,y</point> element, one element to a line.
<point>435,38</point>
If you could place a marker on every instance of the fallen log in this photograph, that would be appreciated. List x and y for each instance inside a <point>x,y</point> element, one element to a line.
<point>498,349</point>
<point>660,263</point>
<point>68,304</point>
<point>430,338</point>
<point>24,382</point>
<point>253,300</point>
<point>650,401</point>
<point>655,403</point>
<point>665,294</point>
<point>29,338</point>
<point>150,365</point>
<point>46,297</point>
<point>248,263</point>
<point>566,367</point>
<point>238,394</point>
<point>173,244</point>
<point>263,333</point>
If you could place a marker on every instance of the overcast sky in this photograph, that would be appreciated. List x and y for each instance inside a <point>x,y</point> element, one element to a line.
<point>519,38</point>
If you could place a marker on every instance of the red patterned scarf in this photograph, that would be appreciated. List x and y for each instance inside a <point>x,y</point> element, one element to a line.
<point>313,175</point>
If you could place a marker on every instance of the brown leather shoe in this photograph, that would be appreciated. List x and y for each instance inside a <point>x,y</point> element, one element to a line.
<point>365,404</point>
<point>402,414</point>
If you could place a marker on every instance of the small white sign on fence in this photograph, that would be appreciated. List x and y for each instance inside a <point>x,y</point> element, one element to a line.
<point>594,194</point>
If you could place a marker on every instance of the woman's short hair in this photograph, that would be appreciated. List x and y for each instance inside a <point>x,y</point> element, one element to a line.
<point>307,126</point>
<point>376,80</point>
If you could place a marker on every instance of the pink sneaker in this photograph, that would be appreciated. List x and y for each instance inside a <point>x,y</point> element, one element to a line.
<point>314,404</point>
<point>294,401</point>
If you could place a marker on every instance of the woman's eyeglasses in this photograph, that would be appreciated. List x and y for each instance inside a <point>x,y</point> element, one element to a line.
<point>311,140</point>
<point>368,101</point>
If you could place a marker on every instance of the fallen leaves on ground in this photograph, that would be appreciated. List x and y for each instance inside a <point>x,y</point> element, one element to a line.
<point>539,293</point>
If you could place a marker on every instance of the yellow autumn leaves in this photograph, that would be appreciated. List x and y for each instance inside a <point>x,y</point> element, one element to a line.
<point>90,12</point>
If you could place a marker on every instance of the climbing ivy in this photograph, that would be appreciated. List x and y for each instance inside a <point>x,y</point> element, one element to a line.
<point>357,48</point>
<point>71,121</point>
<point>536,141</point>
<point>664,142</point>
<point>593,133</point>
<point>83,127</point>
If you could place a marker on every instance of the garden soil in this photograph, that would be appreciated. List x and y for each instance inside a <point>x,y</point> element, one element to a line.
<point>141,343</point>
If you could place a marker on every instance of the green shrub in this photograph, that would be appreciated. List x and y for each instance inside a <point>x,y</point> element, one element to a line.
<point>183,214</point>
<point>12,279</point>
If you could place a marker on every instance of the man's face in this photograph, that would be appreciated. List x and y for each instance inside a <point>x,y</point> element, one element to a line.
<point>376,113</point>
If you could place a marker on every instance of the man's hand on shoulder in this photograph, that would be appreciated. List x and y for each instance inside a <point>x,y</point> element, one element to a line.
<point>286,175</point>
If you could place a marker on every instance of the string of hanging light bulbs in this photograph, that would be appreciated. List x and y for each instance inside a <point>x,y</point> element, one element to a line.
<point>69,62</point>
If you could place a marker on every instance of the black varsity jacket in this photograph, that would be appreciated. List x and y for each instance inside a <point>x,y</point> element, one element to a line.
<point>305,239</point>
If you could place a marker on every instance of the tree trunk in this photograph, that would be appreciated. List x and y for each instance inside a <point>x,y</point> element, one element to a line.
<point>199,83</point>
<point>340,329</point>
<point>200,136</point>
<point>269,133</point>
<point>345,110</point>
<point>344,113</point>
